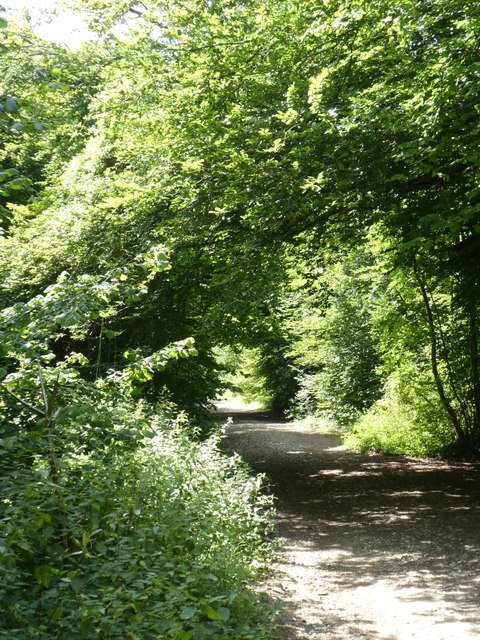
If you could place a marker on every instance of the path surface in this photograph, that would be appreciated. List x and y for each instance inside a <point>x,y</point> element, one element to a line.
<point>373,547</point>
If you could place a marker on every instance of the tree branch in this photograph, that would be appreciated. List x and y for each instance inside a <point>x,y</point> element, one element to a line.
<point>21,401</point>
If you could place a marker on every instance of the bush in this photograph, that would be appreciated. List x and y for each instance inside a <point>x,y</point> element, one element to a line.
<point>162,540</point>
<point>407,420</point>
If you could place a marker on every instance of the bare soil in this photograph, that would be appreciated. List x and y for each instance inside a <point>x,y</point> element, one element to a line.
<point>371,547</point>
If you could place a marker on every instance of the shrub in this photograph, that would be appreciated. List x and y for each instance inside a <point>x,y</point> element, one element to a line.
<point>159,541</point>
<point>406,420</point>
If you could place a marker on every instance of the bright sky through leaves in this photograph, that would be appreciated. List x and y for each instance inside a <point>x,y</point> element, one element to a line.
<point>65,27</point>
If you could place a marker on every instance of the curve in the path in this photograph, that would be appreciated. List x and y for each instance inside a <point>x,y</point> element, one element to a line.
<point>373,547</point>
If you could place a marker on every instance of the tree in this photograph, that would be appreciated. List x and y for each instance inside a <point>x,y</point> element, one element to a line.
<point>405,111</point>
<point>255,128</point>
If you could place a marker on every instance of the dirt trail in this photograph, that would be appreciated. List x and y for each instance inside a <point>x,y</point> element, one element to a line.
<point>373,547</point>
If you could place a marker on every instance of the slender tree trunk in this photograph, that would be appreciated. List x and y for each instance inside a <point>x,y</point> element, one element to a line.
<point>52,455</point>
<point>475,367</point>
<point>462,402</point>
<point>447,405</point>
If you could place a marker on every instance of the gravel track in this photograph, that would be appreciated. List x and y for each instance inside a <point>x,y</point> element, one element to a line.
<point>372,547</point>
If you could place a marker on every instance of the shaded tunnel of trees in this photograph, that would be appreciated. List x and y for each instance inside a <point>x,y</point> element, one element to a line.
<point>290,187</point>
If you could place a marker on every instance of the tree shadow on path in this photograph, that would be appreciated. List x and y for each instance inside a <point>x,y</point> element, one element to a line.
<point>384,548</point>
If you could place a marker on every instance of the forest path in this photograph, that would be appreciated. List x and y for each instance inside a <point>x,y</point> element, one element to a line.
<point>372,547</point>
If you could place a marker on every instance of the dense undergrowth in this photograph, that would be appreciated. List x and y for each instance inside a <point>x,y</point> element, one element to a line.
<point>156,538</point>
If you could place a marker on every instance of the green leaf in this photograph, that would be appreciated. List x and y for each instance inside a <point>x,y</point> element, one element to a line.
<point>8,173</point>
<point>19,183</point>
<point>224,613</point>
<point>44,517</point>
<point>11,105</point>
<point>110,334</point>
<point>33,127</point>
<point>210,612</point>
<point>44,574</point>
<point>76,584</point>
<point>188,613</point>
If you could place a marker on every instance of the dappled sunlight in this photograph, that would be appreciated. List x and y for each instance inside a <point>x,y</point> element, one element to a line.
<point>413,610</point>
<point>407,593</point>
<point>374,547</point>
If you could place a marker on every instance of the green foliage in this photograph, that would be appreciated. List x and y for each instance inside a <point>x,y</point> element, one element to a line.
<point>154,537</point>
<point>333,343</point>
<point>406,420</point>
<point>238,374</point>
<point>297,178</point>
<point>244,375</point>
<point>115,521</point>
<point>274,369</point>
<point>260,374</point>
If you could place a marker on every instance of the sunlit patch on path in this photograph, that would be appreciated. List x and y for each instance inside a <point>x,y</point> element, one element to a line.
<point>376,548</point>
